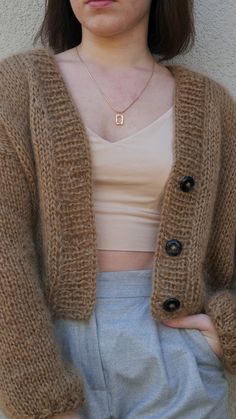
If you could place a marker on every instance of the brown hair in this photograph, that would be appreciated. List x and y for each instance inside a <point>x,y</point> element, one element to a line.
<point>171,28</point>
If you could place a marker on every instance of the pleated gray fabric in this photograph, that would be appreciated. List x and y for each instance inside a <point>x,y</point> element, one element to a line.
<point>135,367</point>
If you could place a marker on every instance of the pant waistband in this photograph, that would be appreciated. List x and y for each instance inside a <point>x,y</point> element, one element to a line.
<point>117,284</point>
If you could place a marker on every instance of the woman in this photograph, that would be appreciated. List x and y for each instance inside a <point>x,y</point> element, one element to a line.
<point>153,147</point>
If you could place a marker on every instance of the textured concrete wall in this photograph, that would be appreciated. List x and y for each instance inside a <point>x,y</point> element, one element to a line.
<point>214,53</point>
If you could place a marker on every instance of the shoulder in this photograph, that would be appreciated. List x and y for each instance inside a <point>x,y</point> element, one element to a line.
<point>17,74</point>
<point>15,69</point>
<point>15,80</point>
<point>215,92</point>
<point>18,59</point>
<point>14,106</point>
<point>12,69</point>
<point>191,74</point>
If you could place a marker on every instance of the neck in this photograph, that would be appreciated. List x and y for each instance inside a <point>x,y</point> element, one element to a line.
<point>116,52</point>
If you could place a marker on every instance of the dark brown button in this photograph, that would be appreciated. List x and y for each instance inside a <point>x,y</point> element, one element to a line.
<point>171,304</point>
<point>187,183</point>
<point>173,247</point>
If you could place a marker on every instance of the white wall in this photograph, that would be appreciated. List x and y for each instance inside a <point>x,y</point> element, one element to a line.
<point>215,49</point>
<point>214,53</point>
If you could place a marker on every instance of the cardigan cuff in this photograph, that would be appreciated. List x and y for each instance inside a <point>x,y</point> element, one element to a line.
<point>221,307</point>
<point>65,394</point>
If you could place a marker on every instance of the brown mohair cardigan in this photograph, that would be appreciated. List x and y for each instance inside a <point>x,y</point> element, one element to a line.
<point>47,225</point>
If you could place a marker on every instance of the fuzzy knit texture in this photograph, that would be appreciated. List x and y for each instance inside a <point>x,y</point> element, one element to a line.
<point>48,259</point>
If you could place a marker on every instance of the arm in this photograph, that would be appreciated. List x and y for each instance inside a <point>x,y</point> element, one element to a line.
<point>221,307</point>
<point>35,382</point>
<point>221,304</point>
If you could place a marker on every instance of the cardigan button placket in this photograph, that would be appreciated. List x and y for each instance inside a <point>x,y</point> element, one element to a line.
<point>187,183</point>
<point>173,247</point>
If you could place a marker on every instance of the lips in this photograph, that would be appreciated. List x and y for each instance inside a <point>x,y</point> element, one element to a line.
<point>97,1</point>
<point>100,4</point>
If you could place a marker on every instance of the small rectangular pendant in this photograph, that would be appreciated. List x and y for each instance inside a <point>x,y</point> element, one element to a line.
<point>119,119</point>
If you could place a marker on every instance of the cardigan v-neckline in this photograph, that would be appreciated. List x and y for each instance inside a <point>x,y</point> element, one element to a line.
<point>156,123</point>
<point>70,100</point>
<point>61,102</point>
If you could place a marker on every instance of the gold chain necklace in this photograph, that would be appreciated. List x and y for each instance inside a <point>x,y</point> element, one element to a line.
<point>119,114</point>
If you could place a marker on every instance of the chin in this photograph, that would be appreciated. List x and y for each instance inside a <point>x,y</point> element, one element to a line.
<point>100,26</point>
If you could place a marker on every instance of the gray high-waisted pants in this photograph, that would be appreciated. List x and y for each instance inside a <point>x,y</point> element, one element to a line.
<point>135,367</point>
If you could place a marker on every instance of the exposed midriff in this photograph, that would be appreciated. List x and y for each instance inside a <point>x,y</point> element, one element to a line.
<point>123,260</point>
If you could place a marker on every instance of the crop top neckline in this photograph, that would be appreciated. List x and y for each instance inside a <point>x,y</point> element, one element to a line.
<point>141,131</point>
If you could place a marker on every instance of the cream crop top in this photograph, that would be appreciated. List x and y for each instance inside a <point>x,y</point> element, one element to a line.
<point>129,176</point>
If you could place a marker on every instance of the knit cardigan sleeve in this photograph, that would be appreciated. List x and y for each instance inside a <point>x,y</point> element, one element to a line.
<point>35,382</point>
<point>221,304</point>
